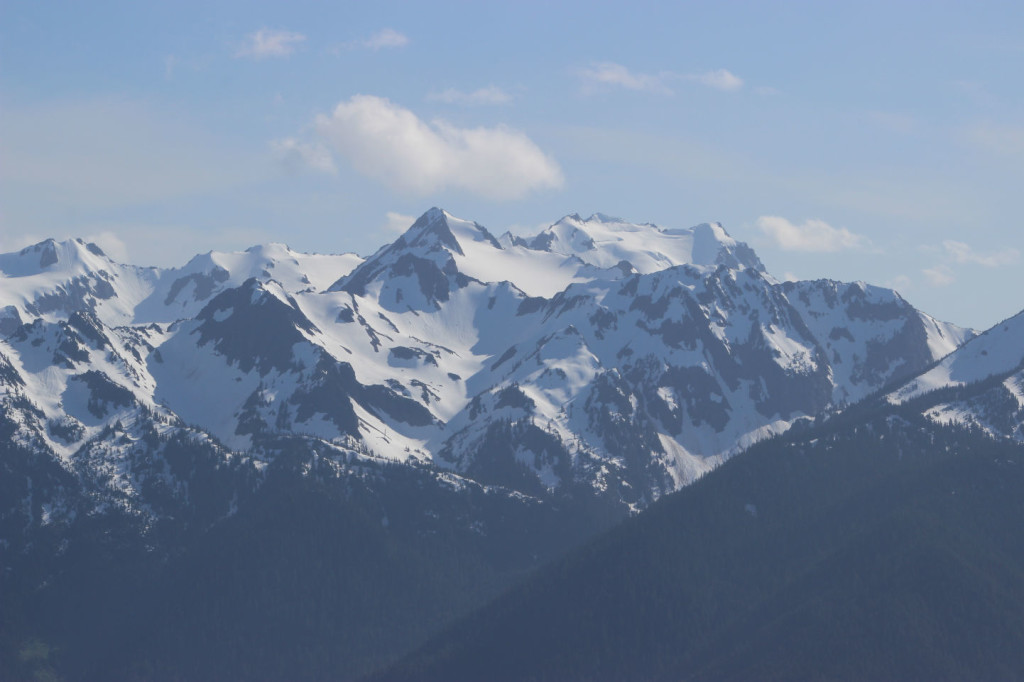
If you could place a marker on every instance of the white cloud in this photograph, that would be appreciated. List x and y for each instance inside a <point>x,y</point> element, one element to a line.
<point>492,94</point>
<point>939,276</point>
<point>900,283</point>
<point>397,222</point>
<point>383,38</point>
<point>389,143</point>
<point>602,74</point>
<point>609,73</point>
<point>955,253</point>
<point>269,43</point>
<point>111,244</point>
<point>719,79</point>
<point>812,235</point>
<point>295,154</point>
<point>962,253</point>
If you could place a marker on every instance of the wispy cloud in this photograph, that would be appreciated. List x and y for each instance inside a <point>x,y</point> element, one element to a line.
<point>952,253</point>
<point>939,276</point>
<point>295,154</point>
<point>811,235</point>
<point>900,283</point>
<point>719,79</point>
<point>270,43</point>
<point>492,94</point>
<point>960,252</point>
<point>382,39</point>
<point>397,222</point>
<point>391,144</point>
<point>609,74</point>
<point>111,244</point>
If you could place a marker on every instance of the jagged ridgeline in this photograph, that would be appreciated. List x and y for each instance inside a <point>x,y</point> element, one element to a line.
<point>605,358</point>
<point>465,403</point>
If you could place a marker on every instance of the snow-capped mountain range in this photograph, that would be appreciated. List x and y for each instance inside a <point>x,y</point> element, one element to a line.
<point>598,357</point>
<point>979,385</point>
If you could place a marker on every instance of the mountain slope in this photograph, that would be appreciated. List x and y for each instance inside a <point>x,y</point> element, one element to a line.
<point>456,400</point>
<point>321,566</point>
<point>867,552</point>
<point>699,359</point>
<point>53,280</point>
<point>980,385</point>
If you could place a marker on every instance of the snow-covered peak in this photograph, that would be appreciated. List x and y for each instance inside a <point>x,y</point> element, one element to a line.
<point>604,241</point>
<point>572,250</point>
<point>601,352</point>
<point>54,279</point>
<point>71,256</point>
<point>439,246</point>
<point>604,218</point>
<point>439,229</point>
<point>997,351</point>
<point>293,270</point>
<point>183,291</point>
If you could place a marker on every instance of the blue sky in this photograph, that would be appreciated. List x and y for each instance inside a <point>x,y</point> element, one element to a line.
<point>870,141</point>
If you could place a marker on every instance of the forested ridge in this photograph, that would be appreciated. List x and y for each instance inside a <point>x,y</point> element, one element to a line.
<point>888,549</point>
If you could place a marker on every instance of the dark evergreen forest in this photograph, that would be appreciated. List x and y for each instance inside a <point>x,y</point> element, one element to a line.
<point>884,549</point>
<point>873,545</point>
<point>315,577</point>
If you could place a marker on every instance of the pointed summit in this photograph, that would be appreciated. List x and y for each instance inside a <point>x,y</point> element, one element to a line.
<point>437,246</point>
<point>441,252</point>
<point>439,227</point>
<point>422,267</point>
<point>712,243</point>
<point>431,227</point>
